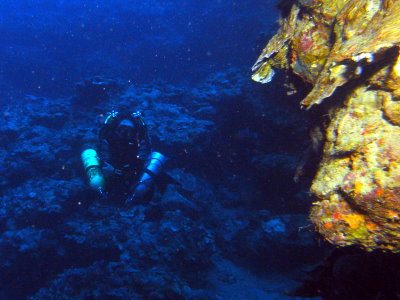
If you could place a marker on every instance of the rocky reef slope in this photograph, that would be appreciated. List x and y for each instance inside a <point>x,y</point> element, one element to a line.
<point>59,241</point>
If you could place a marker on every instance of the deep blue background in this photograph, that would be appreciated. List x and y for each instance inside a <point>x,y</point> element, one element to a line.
<point>229,230</point>
<point>47,45</point>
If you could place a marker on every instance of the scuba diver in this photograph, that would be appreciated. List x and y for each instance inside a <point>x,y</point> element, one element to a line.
<point>122,163</point>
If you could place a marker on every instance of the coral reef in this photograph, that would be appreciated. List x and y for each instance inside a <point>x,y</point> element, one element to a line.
<point>348,52</point>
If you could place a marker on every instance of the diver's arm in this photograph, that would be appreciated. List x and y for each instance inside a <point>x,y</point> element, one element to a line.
<point>143,139</point>
<point>146,181</point>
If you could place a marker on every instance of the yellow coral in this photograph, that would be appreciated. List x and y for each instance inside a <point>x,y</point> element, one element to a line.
<point>354,220</point>
<point>358,187</point>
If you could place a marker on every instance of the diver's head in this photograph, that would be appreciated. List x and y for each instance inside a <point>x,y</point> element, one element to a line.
<point>126,131</point>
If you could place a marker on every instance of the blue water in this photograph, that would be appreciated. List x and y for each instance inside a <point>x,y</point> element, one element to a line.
<point>46,46</point>
<point>230,224</point>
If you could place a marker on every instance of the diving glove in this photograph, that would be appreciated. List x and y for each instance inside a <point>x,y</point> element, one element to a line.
<point>103,195</point>
<point>139,193</point>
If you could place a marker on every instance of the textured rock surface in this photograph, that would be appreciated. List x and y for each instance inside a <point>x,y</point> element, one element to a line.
<point>353,45</point>
<point>58,240</point>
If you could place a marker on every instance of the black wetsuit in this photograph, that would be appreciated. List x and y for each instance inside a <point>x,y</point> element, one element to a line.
<point>126,158</point>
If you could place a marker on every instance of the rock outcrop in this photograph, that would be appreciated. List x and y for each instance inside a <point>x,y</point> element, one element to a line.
<point>348,52</point>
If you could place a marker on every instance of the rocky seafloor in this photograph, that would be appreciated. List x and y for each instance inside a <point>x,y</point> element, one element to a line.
<point>232,228</point>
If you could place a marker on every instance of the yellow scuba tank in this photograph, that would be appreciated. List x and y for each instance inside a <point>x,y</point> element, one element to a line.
<point>91,163</point>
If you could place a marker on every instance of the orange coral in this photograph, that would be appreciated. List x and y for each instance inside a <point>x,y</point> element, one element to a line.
<point>354,220</point>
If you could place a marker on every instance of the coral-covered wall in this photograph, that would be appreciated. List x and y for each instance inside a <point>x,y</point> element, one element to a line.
<point>353,45</point>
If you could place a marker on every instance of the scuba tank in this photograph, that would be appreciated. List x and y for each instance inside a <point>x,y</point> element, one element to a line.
<point>153,169</point>
<point>91,163</point>
<point>154,166</point>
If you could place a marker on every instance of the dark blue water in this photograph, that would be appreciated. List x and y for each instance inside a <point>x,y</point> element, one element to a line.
<point>227,217</point>
<point>46,46</point>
